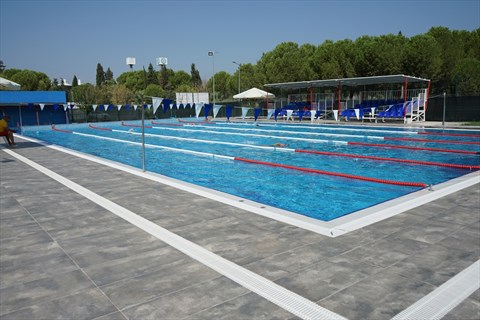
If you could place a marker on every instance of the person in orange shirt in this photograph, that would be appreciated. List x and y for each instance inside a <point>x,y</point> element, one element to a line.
<point>5,131</point>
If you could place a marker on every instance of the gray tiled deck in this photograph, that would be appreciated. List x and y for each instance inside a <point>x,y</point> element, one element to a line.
<point>63,256</point>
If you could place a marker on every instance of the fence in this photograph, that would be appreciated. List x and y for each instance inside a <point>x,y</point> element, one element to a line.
<point>457,109</point>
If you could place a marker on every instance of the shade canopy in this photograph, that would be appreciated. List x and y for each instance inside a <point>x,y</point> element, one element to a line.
<point>254,93</point>
<point>360,81</point>
<point>6,84</point>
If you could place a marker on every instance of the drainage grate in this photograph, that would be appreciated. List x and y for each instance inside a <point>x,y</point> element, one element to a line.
<point>442,300</point>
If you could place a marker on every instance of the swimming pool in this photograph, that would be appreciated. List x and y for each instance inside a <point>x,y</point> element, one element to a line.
<point>322,171</point>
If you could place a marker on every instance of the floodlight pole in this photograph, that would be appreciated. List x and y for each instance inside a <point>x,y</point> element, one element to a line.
<point>444,107</point>
<point>239,66</point>
<point>131,62</point>
<point>212,54</point>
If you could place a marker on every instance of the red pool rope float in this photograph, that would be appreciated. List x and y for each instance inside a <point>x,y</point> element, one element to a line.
<point>429,140</point>
<point>134,125</point>
<point>193,122</point>
<point>56,129</point>
<point>99,128</point>
<point>426,163</point>
<point>168,124</point>
<point>452,134</point>
<point>336,174</point>
<point>409,148</point>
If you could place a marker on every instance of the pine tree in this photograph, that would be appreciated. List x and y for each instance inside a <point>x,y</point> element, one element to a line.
<point>195,74</point>
<point>108,75</point>
<point>151,75</point>
<point>74,81</point>
<point>100,78</point>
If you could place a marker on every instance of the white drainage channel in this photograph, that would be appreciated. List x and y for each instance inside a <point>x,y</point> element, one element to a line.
<point>282,297</point>
<point>442,300</point>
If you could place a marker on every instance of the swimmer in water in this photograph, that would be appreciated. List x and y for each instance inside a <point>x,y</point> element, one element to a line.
<point>281,145</point>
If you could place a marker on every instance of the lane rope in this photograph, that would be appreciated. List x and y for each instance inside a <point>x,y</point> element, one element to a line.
<point>452,134</point>
<point>365,144</point>
<point>336,174</point>
<point>426,163</point>
<point>434,141</point>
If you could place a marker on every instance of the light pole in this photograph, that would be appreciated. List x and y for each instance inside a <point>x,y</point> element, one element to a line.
<point>239,66</point>
<point>212,54</point>
<point>131,62</point>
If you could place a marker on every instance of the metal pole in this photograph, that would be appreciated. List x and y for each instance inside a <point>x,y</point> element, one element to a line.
<point>213,56</point>
<point>143,134</point>
<point>444,107</point>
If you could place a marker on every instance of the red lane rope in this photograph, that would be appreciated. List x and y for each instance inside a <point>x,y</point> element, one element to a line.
<point>426,163</point>
<point>452,134</point>
<point>99,128</point>
<point>134,125</point>
<point>336,174</point>
<point>429,140</point>
<point>168,124</point>
<point>410,148</point>
<point>56,129</point>
<point>193,122</point>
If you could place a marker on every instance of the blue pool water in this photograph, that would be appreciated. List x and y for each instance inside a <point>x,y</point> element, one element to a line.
<point>318,196</point>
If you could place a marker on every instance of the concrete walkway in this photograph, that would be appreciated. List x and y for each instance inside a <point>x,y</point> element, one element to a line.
<point>64,256</point>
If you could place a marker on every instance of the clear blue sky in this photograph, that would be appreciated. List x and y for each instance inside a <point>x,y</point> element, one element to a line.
<point>64,38</point>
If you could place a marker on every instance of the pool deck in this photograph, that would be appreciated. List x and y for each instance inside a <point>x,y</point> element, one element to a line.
<point>63,255</point>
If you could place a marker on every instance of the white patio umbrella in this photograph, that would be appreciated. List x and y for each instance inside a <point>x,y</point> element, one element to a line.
<point>6,84</point>
<point>254,93</point>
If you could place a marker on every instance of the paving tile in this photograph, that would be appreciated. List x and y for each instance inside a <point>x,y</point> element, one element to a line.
<point>434,265</point>
<point>52,262</point>
<point>249,306</point>
<point>135,265</point>
<point>284,263</point>
<point>324,279</point>
<point>27,294</point>
<point>112,316</point>
<point>463,215</point>
<point>429,231</point>
<point>387,251</point>
<point>95,249</point>
<point>181,304</point>
<point>87,304</point>
<point>133,291</point>
<point>381,296</point>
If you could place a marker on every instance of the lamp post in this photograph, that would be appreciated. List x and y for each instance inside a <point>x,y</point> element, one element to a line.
<point>239,66</point>
<point>212,54</point>
<point>131,62</point>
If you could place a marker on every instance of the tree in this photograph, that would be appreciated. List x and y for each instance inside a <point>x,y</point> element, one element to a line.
<point>222,88</point>
<point>120,94</point>
<point>422,57</point>
<point>109,76</point>
<point>74,81</point>
<point>466,77</point>
<point>180,78</point>
<point>195,76</point>
<point>283,64</point>
<point>100,78</point>
<point>31,80</point>
<point>151,75</point>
